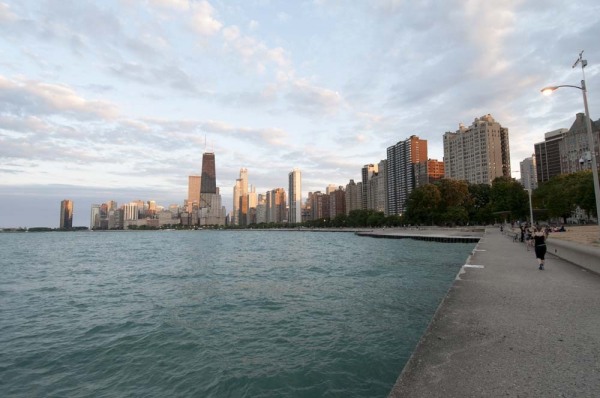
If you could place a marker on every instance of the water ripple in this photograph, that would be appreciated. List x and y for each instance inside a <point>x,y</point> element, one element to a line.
<point>213,314</point>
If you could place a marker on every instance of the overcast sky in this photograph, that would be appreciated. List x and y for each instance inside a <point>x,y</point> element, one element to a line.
<point>118,99</point>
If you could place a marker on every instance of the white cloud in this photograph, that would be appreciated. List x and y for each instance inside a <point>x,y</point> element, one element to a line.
<point>203,19</point>
<point>255,52</point>
<point>308,98</point>
<point>30,96</point>
<point>6,15</point>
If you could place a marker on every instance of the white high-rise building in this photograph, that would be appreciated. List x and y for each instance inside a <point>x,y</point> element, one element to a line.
<point>477,154</point>
<point>240,199</point>
<point>529,173</point>
<point>95,216</point>
<point>295,197</point>
<point>131,211</point>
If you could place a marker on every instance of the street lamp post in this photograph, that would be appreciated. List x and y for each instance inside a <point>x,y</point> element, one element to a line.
<point>548,90</point>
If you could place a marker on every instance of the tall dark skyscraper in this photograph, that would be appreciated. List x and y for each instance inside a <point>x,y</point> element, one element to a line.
<point>209,176</point>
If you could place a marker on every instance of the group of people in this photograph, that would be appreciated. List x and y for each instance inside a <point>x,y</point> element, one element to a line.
<point>536,237</point>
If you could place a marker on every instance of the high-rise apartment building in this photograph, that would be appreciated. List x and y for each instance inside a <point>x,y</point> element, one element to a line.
<point>477,154</point>
<point>261,208</point>
<point>377,189</point>
<point>547,155</point>
<point>353,196</point>
<point>401,160</point>
<point>566,151</point>
<point>428,172</point>
<point>319,205</point>
<point>295,197</point>
<point>276,206</point>
<point>193,199</point>
<point>95,217</point>
<point>367,173</point>
<point>66,214</point>
<point>252,203</point>
<point>575,149</point>
<point>130,211</point>
<point>529,173</point>
<point>337,202</point>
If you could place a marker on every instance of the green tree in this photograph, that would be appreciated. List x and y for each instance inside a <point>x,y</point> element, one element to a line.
<point>423,205</point>
<point>507,194</point>
<point>480,210</point>
<point>455,200</point>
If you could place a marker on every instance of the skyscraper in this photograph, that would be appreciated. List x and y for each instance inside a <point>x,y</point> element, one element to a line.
<point>295,197</point>
<point>353,196</point>
<point>477,154</point>
<point>66,214</point>
<point>367,172</point>
<point>193,192</point>
<point>528,173</point>
<point>547,155</point>
<point>240,199</point>
<point>210,212</point>
<point>401,160</point>
<point>209,175</point>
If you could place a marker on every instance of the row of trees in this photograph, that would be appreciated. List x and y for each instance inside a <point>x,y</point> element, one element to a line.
<point>458,202</point>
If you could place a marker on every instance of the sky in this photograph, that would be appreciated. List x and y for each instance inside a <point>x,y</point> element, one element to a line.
<point>118,99</point>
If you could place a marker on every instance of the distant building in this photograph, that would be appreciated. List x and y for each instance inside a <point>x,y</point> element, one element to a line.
<point>353,196</point>
<point>193,199</point>
<point>337,202</point>
<point>276,206</point>
<point>261,209</point>
<point>574,148</point>
<point>295,197</point>
<point>367,172</point>
<point>66,214</point>
<point>377,188</point>
<point>240,199</point>
<point>210,211</point>
<point>130,211</point>
<point>477,154</point>
<point>547,155</point>
<point>428,172</point>
<point>319,205</point>
<point>95,217</point>
<point>529,173</point>
<point>401,160</point>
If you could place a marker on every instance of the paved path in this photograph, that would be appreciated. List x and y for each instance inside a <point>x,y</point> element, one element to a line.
<point>510,330</point>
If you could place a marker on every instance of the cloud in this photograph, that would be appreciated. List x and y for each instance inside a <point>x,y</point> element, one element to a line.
<point>171,75</point>
<point>271,137</point>
<point>203,20</point>
<point>6,15</point>
<point>255,52</point>
<point>23,96</point>
<point>307,98</point>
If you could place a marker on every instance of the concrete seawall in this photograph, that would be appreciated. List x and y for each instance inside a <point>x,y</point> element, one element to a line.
<point>585,256</point>
<point>506,328</point>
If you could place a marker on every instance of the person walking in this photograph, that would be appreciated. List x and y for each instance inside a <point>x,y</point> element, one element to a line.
<point>539,239</point>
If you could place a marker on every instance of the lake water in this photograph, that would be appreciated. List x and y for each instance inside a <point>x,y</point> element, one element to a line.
<point>214,313</point>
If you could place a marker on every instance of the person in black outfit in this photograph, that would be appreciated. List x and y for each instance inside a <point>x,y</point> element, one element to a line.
<point>539,238</point>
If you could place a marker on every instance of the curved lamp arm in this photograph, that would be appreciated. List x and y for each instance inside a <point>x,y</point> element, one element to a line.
<point>548,90</point>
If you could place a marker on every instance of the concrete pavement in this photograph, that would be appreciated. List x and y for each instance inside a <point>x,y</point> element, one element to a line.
<point>508,329</point>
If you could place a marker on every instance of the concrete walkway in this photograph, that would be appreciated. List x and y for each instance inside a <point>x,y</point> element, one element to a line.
<point>507,329</point>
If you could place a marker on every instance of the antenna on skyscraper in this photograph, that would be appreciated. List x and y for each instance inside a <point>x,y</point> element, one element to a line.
<point>204,142</point>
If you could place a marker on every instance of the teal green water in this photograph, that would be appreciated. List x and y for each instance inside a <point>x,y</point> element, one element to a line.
<point>214,313</point>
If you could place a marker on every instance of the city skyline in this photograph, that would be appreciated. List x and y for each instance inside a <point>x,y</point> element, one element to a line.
<point>116,100</point>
